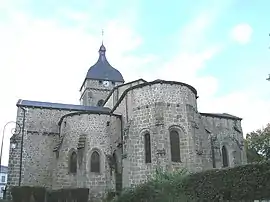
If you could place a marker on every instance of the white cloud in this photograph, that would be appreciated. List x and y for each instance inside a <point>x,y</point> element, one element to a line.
<point>241,33</point>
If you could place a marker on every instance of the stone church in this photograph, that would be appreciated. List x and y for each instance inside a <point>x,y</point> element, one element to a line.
<point>119,134</point>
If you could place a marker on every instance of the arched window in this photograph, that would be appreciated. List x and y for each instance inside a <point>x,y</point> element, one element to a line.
<point>73,162</point>
<point>95,162</point>
<point>175,146</point>
<point>147,148</point>
<point>225,159</point>
<point>100,103</point>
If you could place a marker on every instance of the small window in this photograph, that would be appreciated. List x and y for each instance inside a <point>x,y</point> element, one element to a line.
<point>100,103</point>
<point>100,82</point>
<point>175,146</point>
<point>113,83</point>
<point>73,163</point>
<point>95,162</point>
<point>147,148</point>
<point>225,160</point>
<point>3,179</point>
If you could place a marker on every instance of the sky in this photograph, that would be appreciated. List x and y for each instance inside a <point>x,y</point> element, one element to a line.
<point>219,47</point>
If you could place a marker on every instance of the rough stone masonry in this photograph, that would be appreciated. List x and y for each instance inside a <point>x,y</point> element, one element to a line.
<point>120,134</point>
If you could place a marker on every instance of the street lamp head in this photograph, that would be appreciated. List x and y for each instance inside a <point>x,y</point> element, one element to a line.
<point>13,143</point>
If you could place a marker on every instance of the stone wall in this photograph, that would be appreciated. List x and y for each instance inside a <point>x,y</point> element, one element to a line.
<point>117,92</point>
<point>99,131</point>
<point>156,108</point>
<point>226,132</point>
<point>40,134</point>
<point>200,138</point>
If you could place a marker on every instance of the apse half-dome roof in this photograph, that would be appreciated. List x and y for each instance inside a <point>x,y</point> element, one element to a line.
<point>102,70</point>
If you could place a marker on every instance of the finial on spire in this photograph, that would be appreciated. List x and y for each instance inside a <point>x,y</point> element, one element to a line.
<point>102,34</point>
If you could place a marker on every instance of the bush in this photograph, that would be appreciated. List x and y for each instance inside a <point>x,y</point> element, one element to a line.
<point>110,195</point>
<point>24,193</point>
<point>163,187</point>
<point>79,194</point>
<point>248,182</point>
<point>244,183</point>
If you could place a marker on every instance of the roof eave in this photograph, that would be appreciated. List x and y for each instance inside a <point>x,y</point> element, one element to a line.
<point>225,116</point>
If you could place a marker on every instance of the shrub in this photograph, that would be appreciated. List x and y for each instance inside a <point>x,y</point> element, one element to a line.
<point>110,195</point>
<point>79,194</point>
<point>247,182</point>
<point>162,187</point>
<point>244,183</point>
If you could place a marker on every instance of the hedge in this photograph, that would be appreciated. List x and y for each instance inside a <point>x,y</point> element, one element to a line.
<point>248,182</point>
<point>79,194</point>
<point>39,194</point>
<point>24,193</point>
<point>244,183</point>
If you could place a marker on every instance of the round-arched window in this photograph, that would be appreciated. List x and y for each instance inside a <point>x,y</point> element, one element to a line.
<point>95,162</point>
<point>73,162</point>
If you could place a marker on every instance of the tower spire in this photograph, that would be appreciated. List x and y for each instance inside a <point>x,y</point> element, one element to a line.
<point>102,48</point>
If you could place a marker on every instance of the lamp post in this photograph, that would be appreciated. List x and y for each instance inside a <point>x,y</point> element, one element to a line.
<point>14,131</point>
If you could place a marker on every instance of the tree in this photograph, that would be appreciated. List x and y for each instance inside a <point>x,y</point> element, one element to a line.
<point>257,145</point>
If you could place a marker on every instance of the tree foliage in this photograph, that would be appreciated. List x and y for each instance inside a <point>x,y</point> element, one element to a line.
<point>257,145</point>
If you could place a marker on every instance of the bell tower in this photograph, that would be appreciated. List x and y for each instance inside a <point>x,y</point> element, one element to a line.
<point>100,79</point>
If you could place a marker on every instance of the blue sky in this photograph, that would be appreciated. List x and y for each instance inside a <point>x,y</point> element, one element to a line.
<point>219,47</point>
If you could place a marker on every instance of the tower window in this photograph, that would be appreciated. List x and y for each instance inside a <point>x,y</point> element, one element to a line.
<point>175,146</point>
<point>100,82</point>
<point>100,103</point>
<point>225,160</point>
<point>95,162</point>
<point>147,148</point>
<point>113,83</point>
<point>73,163</point>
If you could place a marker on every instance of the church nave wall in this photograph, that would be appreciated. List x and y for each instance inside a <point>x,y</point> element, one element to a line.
<point>86,135</point>
<point>40,136</point>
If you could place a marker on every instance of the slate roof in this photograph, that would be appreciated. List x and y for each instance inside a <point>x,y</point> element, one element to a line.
<point>102,70</point>
<point>221,115</point>
<point>50,105</point>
